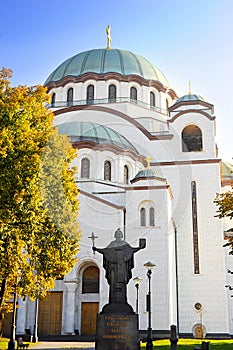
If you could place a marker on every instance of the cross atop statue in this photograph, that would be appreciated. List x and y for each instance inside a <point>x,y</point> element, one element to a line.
<point>93,237</point>
<point>109,39</point>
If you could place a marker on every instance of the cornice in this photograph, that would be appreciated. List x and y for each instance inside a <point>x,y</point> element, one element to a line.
<point>109,147</point>
<point>186,162</point>
<point>104,201</point>
<point>115,76</point>
<point>190,103</point>
<point>191,111</point>
<point>226,182</point>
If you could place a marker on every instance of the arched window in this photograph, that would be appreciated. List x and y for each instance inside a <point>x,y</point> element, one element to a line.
<point>90,94</point>
<point>112,93</point>
<point>70,95</point>
<point>90,280</point>
<point>53,99</point>
<point>167,103</point>
<point>152,99</point>
<point>133,93</point>
<point>191,139</point>
<point>143,217</point>
<point>107,170</point>
<point>85,168</point>
<point>126,174</point>
<point>152,216</point>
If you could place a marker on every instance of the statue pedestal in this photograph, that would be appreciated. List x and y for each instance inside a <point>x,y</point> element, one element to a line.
<point>116,330</point>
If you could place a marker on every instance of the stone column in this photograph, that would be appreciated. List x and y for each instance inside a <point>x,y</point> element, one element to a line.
<point>69,307</point>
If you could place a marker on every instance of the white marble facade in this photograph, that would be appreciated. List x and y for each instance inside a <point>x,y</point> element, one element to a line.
<point>183,276</point>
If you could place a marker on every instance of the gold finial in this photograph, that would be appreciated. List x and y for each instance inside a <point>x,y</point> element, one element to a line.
<point>190,93</point>
<point>148,159</point>
<point>109,39</point>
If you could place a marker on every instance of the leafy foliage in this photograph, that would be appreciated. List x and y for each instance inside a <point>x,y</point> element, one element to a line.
<point>38,195</point>
<point>224,202</point>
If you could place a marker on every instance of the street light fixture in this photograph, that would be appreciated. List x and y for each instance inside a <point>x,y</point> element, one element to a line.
<point>137,281</point>
<point>35,331</point>
<point>12,343</point>
<point>149,345</point>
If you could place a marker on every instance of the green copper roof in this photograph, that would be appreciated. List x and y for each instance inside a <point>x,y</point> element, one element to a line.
<point>102,61</point>
<point>190,97</point>
<point>99,134</point>
<point>147,173</point>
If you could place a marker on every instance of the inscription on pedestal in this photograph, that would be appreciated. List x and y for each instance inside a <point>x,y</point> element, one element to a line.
<point>117,332</point>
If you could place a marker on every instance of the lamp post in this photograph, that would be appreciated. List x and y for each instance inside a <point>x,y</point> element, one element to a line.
<point>149,344</point>
<point>35,333</point>
<point>137,282</point>
<point>12,342</point>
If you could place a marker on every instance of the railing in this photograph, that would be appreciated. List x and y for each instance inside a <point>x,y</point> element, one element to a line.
<point>60,104</point>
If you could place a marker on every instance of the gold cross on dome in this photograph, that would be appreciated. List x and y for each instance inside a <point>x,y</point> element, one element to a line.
<point>190,93</point>
<point>109,39</point>
<point>148,159</point>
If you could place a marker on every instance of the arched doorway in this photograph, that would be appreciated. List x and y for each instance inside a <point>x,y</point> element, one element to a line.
<point>90,309</point>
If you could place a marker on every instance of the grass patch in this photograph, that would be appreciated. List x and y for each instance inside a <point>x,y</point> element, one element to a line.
<point>190,344</point>
<point>3,343</point>
<point>183,344</point>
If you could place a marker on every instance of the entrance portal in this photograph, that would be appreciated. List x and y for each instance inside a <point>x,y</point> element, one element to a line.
<point>50,314</point>
<point>89,314</point>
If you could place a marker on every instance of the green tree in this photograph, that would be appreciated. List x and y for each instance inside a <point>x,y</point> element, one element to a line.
<point>39,234</point>
<point>224,202</point>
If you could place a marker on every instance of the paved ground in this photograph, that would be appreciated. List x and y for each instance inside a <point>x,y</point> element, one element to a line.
<point>63,345</point>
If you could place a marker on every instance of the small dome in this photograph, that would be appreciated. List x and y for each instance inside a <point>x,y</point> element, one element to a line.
<point>190,97</point>
<point>101,61</point>
<point>86,131</point>
<point>147,174</point>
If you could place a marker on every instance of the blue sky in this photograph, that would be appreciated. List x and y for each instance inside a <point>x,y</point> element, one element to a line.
<point>186,40</point>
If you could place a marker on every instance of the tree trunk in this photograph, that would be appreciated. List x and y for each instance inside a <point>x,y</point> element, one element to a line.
<point>2,292</point>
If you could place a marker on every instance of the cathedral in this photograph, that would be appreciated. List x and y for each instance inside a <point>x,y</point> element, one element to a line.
<point>147,164</point>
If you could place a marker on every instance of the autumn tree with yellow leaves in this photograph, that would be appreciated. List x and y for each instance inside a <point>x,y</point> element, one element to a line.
<point>39,234</point>
<point>224,201</point>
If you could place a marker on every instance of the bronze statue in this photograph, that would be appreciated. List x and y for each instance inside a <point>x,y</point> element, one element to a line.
<point>118,262</point>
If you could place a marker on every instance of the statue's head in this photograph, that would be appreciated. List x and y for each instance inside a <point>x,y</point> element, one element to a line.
<point>118,235</point>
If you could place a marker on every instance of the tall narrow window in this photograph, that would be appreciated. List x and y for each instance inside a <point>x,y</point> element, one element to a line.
<point>90,94</point>
<point>126,174</point>
<point>90,280</point>
<point>152,99</point>
<point>85,168</point>
<point>70,95</point>
<point>195,228</point>
<point>191,139</point>
<point>53,99</point>
<point>133,93</point>
<point>112,93</point>
<point>107,170</point>
<point>152,216</point>
<point>143,217</point>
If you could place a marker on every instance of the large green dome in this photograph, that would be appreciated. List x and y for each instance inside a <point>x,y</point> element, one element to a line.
<point>101,61</point>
